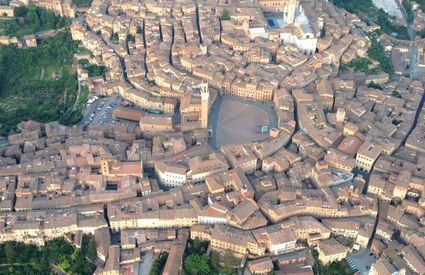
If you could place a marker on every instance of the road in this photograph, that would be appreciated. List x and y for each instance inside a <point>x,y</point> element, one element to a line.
<point>56,270</point>
<point>413,54</point>
<point>413,49</point>
<point>415,120</point>
<point>146,263</point>
<point>413,69</point>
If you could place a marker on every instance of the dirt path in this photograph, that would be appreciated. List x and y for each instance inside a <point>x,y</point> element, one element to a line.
<point>65,94</point>
<point>42,74</point>
<point>78,95</point>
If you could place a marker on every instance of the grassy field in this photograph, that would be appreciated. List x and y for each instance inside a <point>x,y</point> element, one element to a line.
<point>40,84</point>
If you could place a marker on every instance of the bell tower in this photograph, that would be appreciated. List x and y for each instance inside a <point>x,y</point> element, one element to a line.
<point>205,102</point>
<point>289,11</point>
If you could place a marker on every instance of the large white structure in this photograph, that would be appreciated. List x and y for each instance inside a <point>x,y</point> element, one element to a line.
<point>300,34</point>
<point>170,175</point>
<point>293,26</point>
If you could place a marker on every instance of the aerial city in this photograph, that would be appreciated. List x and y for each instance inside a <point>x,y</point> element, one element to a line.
<point>212,137</point>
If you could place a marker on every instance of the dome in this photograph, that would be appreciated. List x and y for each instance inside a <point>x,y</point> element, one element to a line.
<point>302,19</point>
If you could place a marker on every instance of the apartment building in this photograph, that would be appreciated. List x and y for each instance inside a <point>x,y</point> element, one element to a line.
<point>331,250</point>
<point>170,175</point>
<point>367,155</point>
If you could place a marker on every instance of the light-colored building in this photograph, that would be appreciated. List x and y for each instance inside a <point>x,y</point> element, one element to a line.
<point>170,175</point>
<point>277,239</point>
<point>7,11</point>
<point>330,251</point>
<point>223,237</point>
<point>367,155</point>
<point>30,41</point>
<point>200,168</point>
<point>64,8</point>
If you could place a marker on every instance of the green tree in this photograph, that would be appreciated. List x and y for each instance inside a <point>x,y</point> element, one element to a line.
<point>114,37</point>
<point>214,260</point>
<point>91,252</point>
<point>334,268</point>
<point>159,264</point>
<point>10,253</point>
<point>408,7</point>
<point>197,264</point>
<point>20,11</point>
<point>225,15</point>
<point>32,20</point>
<point>376,52</point>
<point>35,260</point>
<point>42,99</point>
<point>196,244</point>
<point>229,261</point>
<point>375,86</point>
<point>94,70</point>
<point>47,17</point>
<point>32,16</point>
<point>359,65</point>
<point>131,38</point>
<point>64,263</point>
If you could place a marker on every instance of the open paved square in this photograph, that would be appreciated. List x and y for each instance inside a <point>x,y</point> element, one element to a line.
<point>238,123</point>
<point>234,120</point>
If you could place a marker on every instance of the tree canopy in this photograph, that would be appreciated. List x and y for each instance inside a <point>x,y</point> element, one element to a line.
<point>376,52</point>
<point>20,258</point>
<point>31,20</point>
<point>197,264</point>
<point>334,268</point>
<point>225,15</point>
<point>39,83</point>
<point>158,264</point>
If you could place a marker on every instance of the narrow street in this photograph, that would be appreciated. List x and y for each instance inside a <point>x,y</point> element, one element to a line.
<point>413,70</point>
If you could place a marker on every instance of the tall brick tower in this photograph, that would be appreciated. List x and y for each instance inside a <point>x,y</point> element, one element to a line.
<point>205,98</point>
